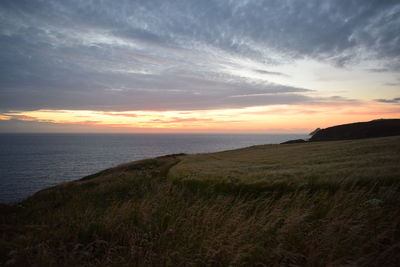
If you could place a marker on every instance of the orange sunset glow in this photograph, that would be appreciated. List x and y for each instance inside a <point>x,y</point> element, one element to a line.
<point>260,119</point>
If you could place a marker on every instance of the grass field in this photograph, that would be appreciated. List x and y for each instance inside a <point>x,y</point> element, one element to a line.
<point>315,164</point>
<point>312,204</point>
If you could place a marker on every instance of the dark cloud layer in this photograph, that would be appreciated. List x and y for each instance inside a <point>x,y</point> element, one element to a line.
<point>128,55</point>
<point>393,100</point>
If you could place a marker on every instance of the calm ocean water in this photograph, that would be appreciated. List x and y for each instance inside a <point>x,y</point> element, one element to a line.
<point>31,162</point>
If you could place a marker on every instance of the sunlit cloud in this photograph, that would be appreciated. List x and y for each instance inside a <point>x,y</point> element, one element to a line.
<point>293,118</point>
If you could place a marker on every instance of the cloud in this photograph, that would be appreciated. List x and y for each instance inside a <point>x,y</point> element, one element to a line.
<point>117,114</point>
<point>393,100</point>
<point>18,117</point>
<point>80,122</point>
<point>271,73</point>
<point>181,120</point>
<point>393,84</point>
<point>158,55</point>
<point>379,70</point>
<point>23,126</point>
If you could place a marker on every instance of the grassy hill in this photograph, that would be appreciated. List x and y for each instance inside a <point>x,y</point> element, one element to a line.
<point>316,164</point>
<point>311,204</point>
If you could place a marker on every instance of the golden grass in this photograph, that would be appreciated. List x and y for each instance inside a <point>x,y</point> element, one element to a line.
<point>297,164</point>
<point>133,215</point>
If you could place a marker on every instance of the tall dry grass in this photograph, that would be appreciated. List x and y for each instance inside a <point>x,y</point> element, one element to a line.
<point>133,216</point>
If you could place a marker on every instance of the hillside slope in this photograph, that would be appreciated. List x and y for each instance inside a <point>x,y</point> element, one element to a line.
<point>340,162</point>
<point>311,204</point>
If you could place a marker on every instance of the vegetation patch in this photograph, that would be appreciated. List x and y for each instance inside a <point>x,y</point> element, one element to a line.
<point>311,204</point>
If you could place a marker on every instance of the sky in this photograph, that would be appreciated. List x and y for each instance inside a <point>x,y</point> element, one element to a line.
<point>222,66</point>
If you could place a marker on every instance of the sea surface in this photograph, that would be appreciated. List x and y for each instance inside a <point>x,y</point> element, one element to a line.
<point>31,162</point>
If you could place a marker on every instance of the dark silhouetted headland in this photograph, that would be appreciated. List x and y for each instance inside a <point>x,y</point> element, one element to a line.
<point>375,128</point>
<point>358,130</point>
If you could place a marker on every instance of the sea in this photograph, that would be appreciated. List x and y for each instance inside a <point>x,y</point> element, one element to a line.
<point>32,162</point>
